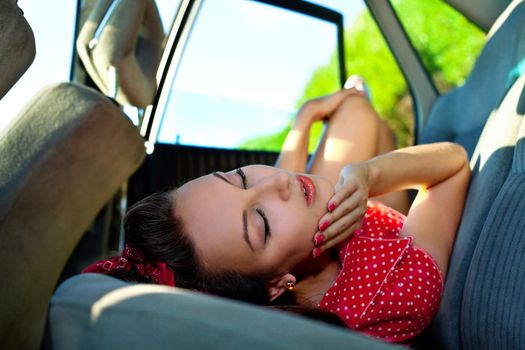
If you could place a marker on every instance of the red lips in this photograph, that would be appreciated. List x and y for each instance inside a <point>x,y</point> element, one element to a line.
<point>308,188</point>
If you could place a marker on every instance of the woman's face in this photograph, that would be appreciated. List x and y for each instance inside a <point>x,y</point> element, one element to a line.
<point>262,225</point>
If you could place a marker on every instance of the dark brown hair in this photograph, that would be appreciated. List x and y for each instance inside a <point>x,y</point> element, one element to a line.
<point>153,226</point>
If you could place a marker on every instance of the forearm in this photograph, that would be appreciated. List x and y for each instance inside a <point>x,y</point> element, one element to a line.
<point>294,154</point>
<point>418,167</point>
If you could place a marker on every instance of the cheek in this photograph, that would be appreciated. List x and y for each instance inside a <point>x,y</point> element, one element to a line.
<point>298,235</point>
<point>326,191</point>
<point>296,223</point>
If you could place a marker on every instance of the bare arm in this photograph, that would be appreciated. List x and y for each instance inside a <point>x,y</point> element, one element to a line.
<point>422,166</point>
<point>440,171</point>
<point>294,154</point>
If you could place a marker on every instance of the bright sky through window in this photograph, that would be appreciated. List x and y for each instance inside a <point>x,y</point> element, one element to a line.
<point>53,24</point>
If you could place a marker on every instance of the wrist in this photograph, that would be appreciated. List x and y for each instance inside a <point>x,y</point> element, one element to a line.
<point>306,115</point>
<point>371,174</point>
<point>302,123</point>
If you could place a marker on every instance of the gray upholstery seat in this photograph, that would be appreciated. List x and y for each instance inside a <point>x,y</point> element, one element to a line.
<point>494,299</point>
<point>460,115</point>
<point>120,45</point>
<point>100,312</point>
<point>61,160</point>
<point>483,305</point>
<point>17,45</point>
<point>488,254</point>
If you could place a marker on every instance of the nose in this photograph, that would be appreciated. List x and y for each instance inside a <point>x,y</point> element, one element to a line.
<point>277,184</point>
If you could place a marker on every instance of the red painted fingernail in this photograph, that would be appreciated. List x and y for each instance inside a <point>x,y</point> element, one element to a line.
<point>331,207</point>
<point>316,252</point>
<point>324,225</point>
<point>318,239</point>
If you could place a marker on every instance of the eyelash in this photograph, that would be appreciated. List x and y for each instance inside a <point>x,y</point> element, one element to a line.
<point>267,232</point>
<point>241,173</point>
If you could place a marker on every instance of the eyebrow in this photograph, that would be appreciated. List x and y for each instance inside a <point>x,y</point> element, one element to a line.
<point>244,215</point>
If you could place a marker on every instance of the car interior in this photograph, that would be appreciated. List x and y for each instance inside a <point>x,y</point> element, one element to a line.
<point>72,161</point>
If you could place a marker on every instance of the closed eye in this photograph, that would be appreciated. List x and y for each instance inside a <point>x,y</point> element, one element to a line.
<point>267,232</point>
<point>241,173</point>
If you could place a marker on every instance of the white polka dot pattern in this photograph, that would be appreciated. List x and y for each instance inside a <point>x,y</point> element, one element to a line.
<point>386,287</point>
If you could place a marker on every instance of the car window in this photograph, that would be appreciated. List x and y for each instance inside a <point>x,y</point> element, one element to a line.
<point>447,42</point>
<point>242,75</point>
<point>241,80</point>
<point>167,11</point>
<point>368,55</point>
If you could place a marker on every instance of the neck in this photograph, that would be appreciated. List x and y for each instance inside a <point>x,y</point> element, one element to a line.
<point>315,276</point>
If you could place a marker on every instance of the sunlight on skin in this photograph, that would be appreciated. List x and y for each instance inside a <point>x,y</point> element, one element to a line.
<point>335,149</point>
<point>422,195</point>
<point>122,294</point>
<point>292,140</point>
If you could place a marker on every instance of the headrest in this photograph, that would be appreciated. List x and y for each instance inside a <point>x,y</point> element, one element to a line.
<point>17,45</point>
<point>120,46</point>
<point>93,311</point>
<point>61,160</point>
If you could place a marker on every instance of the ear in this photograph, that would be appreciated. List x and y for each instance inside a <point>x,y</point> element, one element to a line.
<point>277,286</point>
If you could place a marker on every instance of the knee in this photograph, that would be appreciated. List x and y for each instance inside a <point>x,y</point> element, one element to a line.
<point>356,102</point>
<point>358,109</point>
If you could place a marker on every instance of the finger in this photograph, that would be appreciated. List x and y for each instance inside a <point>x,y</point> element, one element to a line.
<point>355,91</point>
<point>335,99</point>
<point>331,102</point>
<point>351,220</point>
<point>344,209</point>
<point>348,204</point>
<point>341,237</point>
<point>343,190</point>
<point>343,224</point>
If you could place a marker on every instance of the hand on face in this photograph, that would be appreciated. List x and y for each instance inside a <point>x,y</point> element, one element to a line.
<point>346,209</point>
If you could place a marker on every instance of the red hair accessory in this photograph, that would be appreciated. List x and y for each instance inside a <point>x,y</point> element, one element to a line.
<point>158,272</point>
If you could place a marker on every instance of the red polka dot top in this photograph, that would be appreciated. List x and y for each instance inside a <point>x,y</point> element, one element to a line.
<point>386,287</point>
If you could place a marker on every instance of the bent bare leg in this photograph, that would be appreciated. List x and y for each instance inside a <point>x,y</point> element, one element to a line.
<point>294,152</point>
<point>350,136</point>
<point>355,133</point>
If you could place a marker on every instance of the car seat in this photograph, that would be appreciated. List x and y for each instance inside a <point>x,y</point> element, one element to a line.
<point>17,45</point>
<point>61,159</point>
<point>460,115</point>
<point>483,303</point>
<point>120,46</point>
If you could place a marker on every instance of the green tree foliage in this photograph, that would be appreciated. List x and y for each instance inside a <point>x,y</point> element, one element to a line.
<point>447,43</point>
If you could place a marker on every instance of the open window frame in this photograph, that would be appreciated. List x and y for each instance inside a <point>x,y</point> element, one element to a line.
<point>178,37</point>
